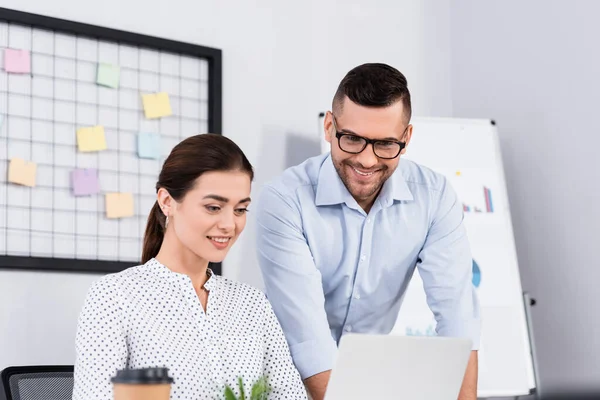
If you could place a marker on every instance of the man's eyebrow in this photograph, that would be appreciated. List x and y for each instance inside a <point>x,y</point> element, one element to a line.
<point>349,131</point>
<point>387,139</point>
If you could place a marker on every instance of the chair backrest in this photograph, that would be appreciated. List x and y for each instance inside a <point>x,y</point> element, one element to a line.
<point>40,382</point>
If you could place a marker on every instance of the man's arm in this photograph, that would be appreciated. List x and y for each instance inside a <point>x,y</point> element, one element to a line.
<point>317,385</point>
<point>445,266</point>
<point>293,286</point>
<point>468,390</point>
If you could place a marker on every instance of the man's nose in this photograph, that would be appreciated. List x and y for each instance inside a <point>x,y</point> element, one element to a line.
<point>367,157</point>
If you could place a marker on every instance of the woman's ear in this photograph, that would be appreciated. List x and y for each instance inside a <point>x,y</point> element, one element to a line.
<point>165,201</point>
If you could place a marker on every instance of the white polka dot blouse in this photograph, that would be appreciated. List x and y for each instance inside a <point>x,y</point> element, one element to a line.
<point>150,316</point>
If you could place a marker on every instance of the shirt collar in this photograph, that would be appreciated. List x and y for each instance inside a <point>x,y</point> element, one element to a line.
<point>395,189</point>
<point>331,190</point>
<point>164,271</point>
<point>211,283</point>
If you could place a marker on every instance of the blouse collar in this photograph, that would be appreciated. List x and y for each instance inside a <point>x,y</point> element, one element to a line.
<point>163,271</point>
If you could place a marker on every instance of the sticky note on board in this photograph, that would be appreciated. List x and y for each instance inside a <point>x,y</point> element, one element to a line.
<point>148,145</point>
<point>119,205</point>
<point>91,138</point>
<point>84,182</point>
<point>108,75</point>
<point>22,172</point>
<point>17,61</point>
<point>156,105</point>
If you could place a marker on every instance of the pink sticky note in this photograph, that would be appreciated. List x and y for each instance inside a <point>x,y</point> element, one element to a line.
<point>17,61</point>
<point>85,182</point>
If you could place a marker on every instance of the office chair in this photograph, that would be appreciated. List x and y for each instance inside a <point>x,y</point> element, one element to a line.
<point>41,382</point>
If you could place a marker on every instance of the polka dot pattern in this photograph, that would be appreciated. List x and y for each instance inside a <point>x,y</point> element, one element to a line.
<point>149,316</point>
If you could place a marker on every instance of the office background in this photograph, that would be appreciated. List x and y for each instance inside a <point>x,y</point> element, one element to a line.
<point>531,66</point>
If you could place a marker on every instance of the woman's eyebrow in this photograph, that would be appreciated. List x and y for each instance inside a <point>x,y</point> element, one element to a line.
<point>216,197</point>
<point>224,199</point>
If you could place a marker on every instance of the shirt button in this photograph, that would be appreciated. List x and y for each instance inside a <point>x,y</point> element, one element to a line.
<point>368,220</point>
<point>348,328</point>
<point>362,258</point>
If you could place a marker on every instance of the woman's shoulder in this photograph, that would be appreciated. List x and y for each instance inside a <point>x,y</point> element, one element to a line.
<point>117,280</point>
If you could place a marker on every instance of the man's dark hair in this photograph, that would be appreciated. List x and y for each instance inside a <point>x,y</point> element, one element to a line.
<point>373,85</point>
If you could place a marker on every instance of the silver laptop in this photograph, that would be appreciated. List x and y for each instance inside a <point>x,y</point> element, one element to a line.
<point>398,367</point>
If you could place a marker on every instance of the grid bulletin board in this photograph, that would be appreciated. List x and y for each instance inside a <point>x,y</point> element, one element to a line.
<point>87,117</point>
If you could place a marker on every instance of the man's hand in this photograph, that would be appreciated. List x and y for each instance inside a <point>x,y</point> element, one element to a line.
<point>317,385</point>
<point>468,390</point>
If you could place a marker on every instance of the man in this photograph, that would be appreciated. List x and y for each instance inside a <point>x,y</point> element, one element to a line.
<point>339,236</point>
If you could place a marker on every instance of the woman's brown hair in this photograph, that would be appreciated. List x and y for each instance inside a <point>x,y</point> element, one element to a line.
<point>188,160</point>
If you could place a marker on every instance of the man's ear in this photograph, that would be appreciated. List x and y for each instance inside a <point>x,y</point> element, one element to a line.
<point>328,126</point>
<point>407,137</point>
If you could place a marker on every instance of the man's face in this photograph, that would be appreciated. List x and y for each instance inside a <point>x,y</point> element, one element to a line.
<point>365,173</point>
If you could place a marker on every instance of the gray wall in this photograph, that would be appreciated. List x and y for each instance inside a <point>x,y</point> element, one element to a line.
<point>534,66</point>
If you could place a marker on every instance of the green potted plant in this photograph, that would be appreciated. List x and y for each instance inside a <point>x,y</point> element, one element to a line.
<point>259,391</point>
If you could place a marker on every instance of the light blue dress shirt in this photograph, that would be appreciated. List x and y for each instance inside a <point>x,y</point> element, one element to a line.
<point>329,268</point>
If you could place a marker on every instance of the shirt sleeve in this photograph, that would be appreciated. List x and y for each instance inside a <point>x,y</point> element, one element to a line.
<point>100,343</point>
<point>293,283</point>
<point>283,377</point>
<point>445,266</point>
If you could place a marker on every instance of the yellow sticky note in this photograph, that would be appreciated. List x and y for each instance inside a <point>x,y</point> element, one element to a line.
<point>91,138</point>
<point>22,172</point>
<point>156,105</point>
<point>119,205</point>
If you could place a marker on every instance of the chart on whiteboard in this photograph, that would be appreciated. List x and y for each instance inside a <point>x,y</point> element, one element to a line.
<point>485,216</point>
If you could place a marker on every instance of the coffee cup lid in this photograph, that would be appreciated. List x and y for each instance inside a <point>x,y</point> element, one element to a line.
<point>143,376</point>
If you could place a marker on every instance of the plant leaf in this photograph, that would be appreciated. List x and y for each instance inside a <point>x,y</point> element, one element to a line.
<point>260,389</point>
<point>241,386</point>
<point>229,395</point>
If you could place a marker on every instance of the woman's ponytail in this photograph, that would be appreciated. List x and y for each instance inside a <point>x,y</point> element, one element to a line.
<point>155,233</point>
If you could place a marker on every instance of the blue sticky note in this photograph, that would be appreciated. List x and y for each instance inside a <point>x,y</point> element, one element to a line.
<point>148,145</point>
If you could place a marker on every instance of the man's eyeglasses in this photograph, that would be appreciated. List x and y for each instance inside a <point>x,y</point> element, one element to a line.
<point>354,144</point>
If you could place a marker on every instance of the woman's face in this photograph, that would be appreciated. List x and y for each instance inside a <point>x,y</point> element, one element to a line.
<point>212,214</point>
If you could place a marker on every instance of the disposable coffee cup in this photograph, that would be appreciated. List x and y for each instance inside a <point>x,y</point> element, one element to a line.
<point>142,384</point>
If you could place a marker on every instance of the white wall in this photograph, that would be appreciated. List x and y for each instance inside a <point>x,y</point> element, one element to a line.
<point>38,314</point>
<point>282,62</point>
<point>533,66</point>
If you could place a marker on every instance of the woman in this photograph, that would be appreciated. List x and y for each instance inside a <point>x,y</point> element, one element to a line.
<point>172,311</point>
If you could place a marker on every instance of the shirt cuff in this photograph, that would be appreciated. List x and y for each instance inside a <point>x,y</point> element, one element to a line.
<point>470,329</point>
<point>313,356</point>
